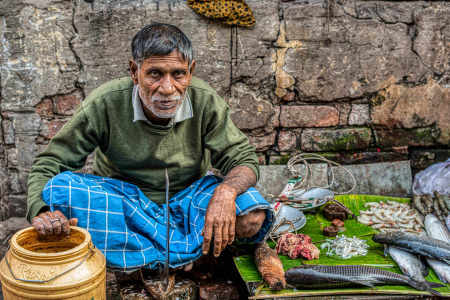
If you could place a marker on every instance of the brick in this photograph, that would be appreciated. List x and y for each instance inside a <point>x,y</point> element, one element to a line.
<point>287,141</point>
<point>66,104</point>
<point>404,107</point>
<point>50,128</point>
<point>359,114</point>
<point>335,140</point>
<point>45,108</point>
<point>248,110</point>
<point>8,132</point>
<point>263,143</point>
<point>308,116</point>
<point>397,137</point>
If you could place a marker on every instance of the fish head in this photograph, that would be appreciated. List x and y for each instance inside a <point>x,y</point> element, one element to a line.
<point>385,237</point>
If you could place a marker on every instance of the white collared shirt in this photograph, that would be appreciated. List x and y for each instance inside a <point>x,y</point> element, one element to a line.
<point>184,111</point>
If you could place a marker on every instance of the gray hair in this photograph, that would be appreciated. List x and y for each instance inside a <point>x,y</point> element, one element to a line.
<point>160,39</point>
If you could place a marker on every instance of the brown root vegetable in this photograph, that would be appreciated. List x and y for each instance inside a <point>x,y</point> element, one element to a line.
<point>333,211</point>
<point>330,231</point>
<point>337,223</point>
<point>269,266</point>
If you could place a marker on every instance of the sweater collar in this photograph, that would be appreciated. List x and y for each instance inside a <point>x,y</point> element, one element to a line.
<point>184,112</point>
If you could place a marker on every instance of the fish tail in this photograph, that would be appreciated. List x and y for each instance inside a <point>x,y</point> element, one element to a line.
<point>435,284</point>
<point>423,286</point>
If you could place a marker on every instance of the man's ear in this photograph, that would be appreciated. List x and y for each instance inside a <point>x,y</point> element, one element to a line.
<point>192,68</point>
<point>134,71</point>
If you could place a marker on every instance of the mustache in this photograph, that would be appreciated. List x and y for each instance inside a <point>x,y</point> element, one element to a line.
<point>163,99</point>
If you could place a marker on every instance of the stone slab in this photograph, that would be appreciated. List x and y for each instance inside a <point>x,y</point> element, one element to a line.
<point>273,178</point>
<point>389,178</point>
<point>348,56</point>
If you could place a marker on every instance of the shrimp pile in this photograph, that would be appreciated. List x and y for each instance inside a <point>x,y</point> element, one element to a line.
<point>391,216</point>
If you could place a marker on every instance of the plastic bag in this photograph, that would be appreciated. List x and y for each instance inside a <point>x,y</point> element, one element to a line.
<point>434,178</point>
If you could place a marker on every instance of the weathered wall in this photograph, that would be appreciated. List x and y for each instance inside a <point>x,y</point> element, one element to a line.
<point>360,80</point>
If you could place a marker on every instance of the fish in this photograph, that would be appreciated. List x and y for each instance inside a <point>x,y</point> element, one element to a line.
<point>409,263</point>
<point>421,245</point>
<point>322,276</point>
<point>441,269</point>
<point>435,229</point>
<point>270,266</point>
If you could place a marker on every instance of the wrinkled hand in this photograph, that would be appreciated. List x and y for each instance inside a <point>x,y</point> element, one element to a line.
<point>220,219</point>
<point>49,224</point>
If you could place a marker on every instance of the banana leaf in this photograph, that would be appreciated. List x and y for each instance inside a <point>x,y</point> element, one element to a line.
<point>314,225</point>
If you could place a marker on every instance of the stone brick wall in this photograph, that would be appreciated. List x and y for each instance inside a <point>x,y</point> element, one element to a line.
<point>359,81</point>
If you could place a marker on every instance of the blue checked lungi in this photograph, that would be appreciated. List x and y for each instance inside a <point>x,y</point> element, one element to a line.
<point>130,229</point>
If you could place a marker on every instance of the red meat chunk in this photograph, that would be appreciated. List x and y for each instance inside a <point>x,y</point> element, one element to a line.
<point>296,245</point>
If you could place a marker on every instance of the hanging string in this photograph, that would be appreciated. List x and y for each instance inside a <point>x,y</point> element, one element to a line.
<point>305,183</point>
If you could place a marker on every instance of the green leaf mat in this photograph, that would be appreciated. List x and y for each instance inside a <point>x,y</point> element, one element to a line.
<point>315,222</point>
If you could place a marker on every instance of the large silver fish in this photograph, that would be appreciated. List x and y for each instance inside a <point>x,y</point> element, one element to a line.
<point>435,229</point>
<point>320,276</point>
<point>421,245</point>
<point>409,263</point>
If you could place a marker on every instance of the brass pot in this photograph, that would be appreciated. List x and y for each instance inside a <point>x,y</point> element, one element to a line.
<point>67,268</point>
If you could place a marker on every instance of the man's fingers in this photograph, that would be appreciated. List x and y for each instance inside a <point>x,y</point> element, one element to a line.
<point>64,222</point>
<point>225,235</point>
<point>231,231</point>
<point>73,222</point>
<point>207,233</point>
<point>47,224</point>
<point>38,225</point>
<point>217,238</point>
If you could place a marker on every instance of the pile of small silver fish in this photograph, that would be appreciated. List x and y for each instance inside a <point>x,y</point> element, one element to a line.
<point>426,204</point>
<point>391,216</point>
<point>345,247</point>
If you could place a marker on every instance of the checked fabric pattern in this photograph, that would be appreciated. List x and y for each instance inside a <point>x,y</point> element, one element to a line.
<point>130,229</point>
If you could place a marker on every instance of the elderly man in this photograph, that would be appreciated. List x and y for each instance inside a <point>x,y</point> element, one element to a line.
<point>160,118</point>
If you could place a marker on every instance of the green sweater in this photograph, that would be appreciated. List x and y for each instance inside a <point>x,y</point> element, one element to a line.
<point>138,152</point>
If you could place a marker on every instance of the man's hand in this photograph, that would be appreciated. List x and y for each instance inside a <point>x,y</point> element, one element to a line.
<point>52,224</point>
<point>220,219</point>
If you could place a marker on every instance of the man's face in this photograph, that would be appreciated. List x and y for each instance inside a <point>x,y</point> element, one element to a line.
<point>162,81</point>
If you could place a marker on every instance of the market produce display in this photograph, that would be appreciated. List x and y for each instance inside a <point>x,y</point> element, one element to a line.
<point>376,259</point>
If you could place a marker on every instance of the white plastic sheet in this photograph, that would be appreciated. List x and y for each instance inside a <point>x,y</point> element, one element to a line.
<point>434,178</point>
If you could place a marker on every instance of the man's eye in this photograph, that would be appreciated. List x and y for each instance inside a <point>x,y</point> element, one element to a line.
<point>178,74</point>
<point>154,73</point>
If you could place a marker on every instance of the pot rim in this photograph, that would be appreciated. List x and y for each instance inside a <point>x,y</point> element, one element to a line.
<point>16,247</point>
